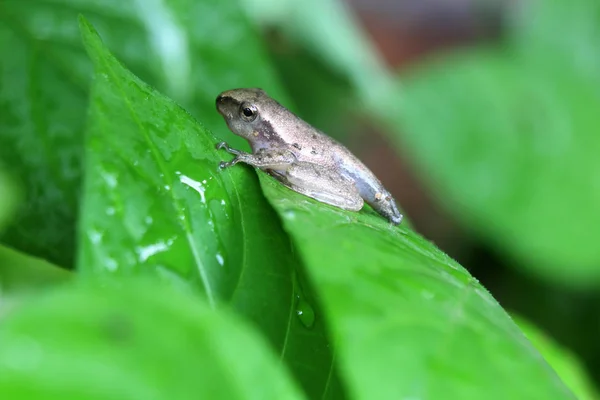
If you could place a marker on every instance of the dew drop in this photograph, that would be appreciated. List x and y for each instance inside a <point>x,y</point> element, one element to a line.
<point>145,252</point>
<point>110,180</point>
<point>95,236</point>
<point>305,312</point>
<point>220,259</point>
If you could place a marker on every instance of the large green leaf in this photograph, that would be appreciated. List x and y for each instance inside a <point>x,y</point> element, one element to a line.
<point>511,149</point>
<point>155,203</point>
<point>409,321</point>
<point>132,341</point>
<point>190,49</point>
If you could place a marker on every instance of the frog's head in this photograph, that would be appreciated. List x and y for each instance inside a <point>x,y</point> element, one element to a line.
<point>251,114</point>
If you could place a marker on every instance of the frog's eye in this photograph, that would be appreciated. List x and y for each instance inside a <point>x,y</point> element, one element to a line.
<point>248,112</point>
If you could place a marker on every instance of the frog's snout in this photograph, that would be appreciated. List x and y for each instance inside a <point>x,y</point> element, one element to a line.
<point>220,103</point>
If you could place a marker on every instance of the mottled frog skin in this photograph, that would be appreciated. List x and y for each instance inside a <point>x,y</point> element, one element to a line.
<point>300,156</point>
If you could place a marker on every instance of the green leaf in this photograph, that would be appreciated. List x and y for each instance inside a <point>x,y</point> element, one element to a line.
<point>44,81</point>
<point>130,341</point>
<point>409,321</point>
<point>8,199</point>
<point>506,138</point>
<point>22,273</point>
<point>573,46</point>
<point>42,106</point>
<point>511,149</point>
<point>565,363</point>
<point>156,203</point>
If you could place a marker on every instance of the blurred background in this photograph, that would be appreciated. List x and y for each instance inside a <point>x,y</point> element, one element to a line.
<point>482,117</point>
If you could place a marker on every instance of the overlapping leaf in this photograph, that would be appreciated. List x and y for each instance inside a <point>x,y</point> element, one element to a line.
<point>179,46</point>
<point>22,273</point>
<point>156,203</point>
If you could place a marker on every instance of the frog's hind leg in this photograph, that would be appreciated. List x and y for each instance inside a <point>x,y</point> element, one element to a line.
<point>323,185</point>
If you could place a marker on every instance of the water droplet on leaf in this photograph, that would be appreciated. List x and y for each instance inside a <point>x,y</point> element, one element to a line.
<point>305,312</point>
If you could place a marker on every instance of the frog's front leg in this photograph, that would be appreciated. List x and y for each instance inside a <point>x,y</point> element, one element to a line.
<point>275,159</point>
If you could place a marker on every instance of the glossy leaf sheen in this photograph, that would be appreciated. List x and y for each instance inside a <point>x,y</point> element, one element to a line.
<point>44,84</point>
<point>98,342</point>
<point>409,321</point>
<point>156,203</point>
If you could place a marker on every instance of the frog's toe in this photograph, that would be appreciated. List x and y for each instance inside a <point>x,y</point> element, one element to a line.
<point>222,145</point>
<point>227,164</point>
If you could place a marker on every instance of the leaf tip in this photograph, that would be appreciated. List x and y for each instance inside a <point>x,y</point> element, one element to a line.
<point>89,35</point>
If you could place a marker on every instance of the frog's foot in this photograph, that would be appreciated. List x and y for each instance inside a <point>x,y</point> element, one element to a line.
<point>237,153</point>
<point>224,145</point>
<point>227,164</point>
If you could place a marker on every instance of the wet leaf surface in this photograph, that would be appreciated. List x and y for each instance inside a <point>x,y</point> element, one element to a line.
<point>156,204</point>
<point>44,86</point>
<point>409,321</point>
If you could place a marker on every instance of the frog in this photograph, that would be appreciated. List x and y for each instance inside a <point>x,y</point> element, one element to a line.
<point>298,155</point>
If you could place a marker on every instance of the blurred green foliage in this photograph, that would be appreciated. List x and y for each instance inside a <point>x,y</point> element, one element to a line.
<point>8,198</point>
<point>110,333</point>
<point>121,183</point>
<point>515,154</point>
<point>23,273</point>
